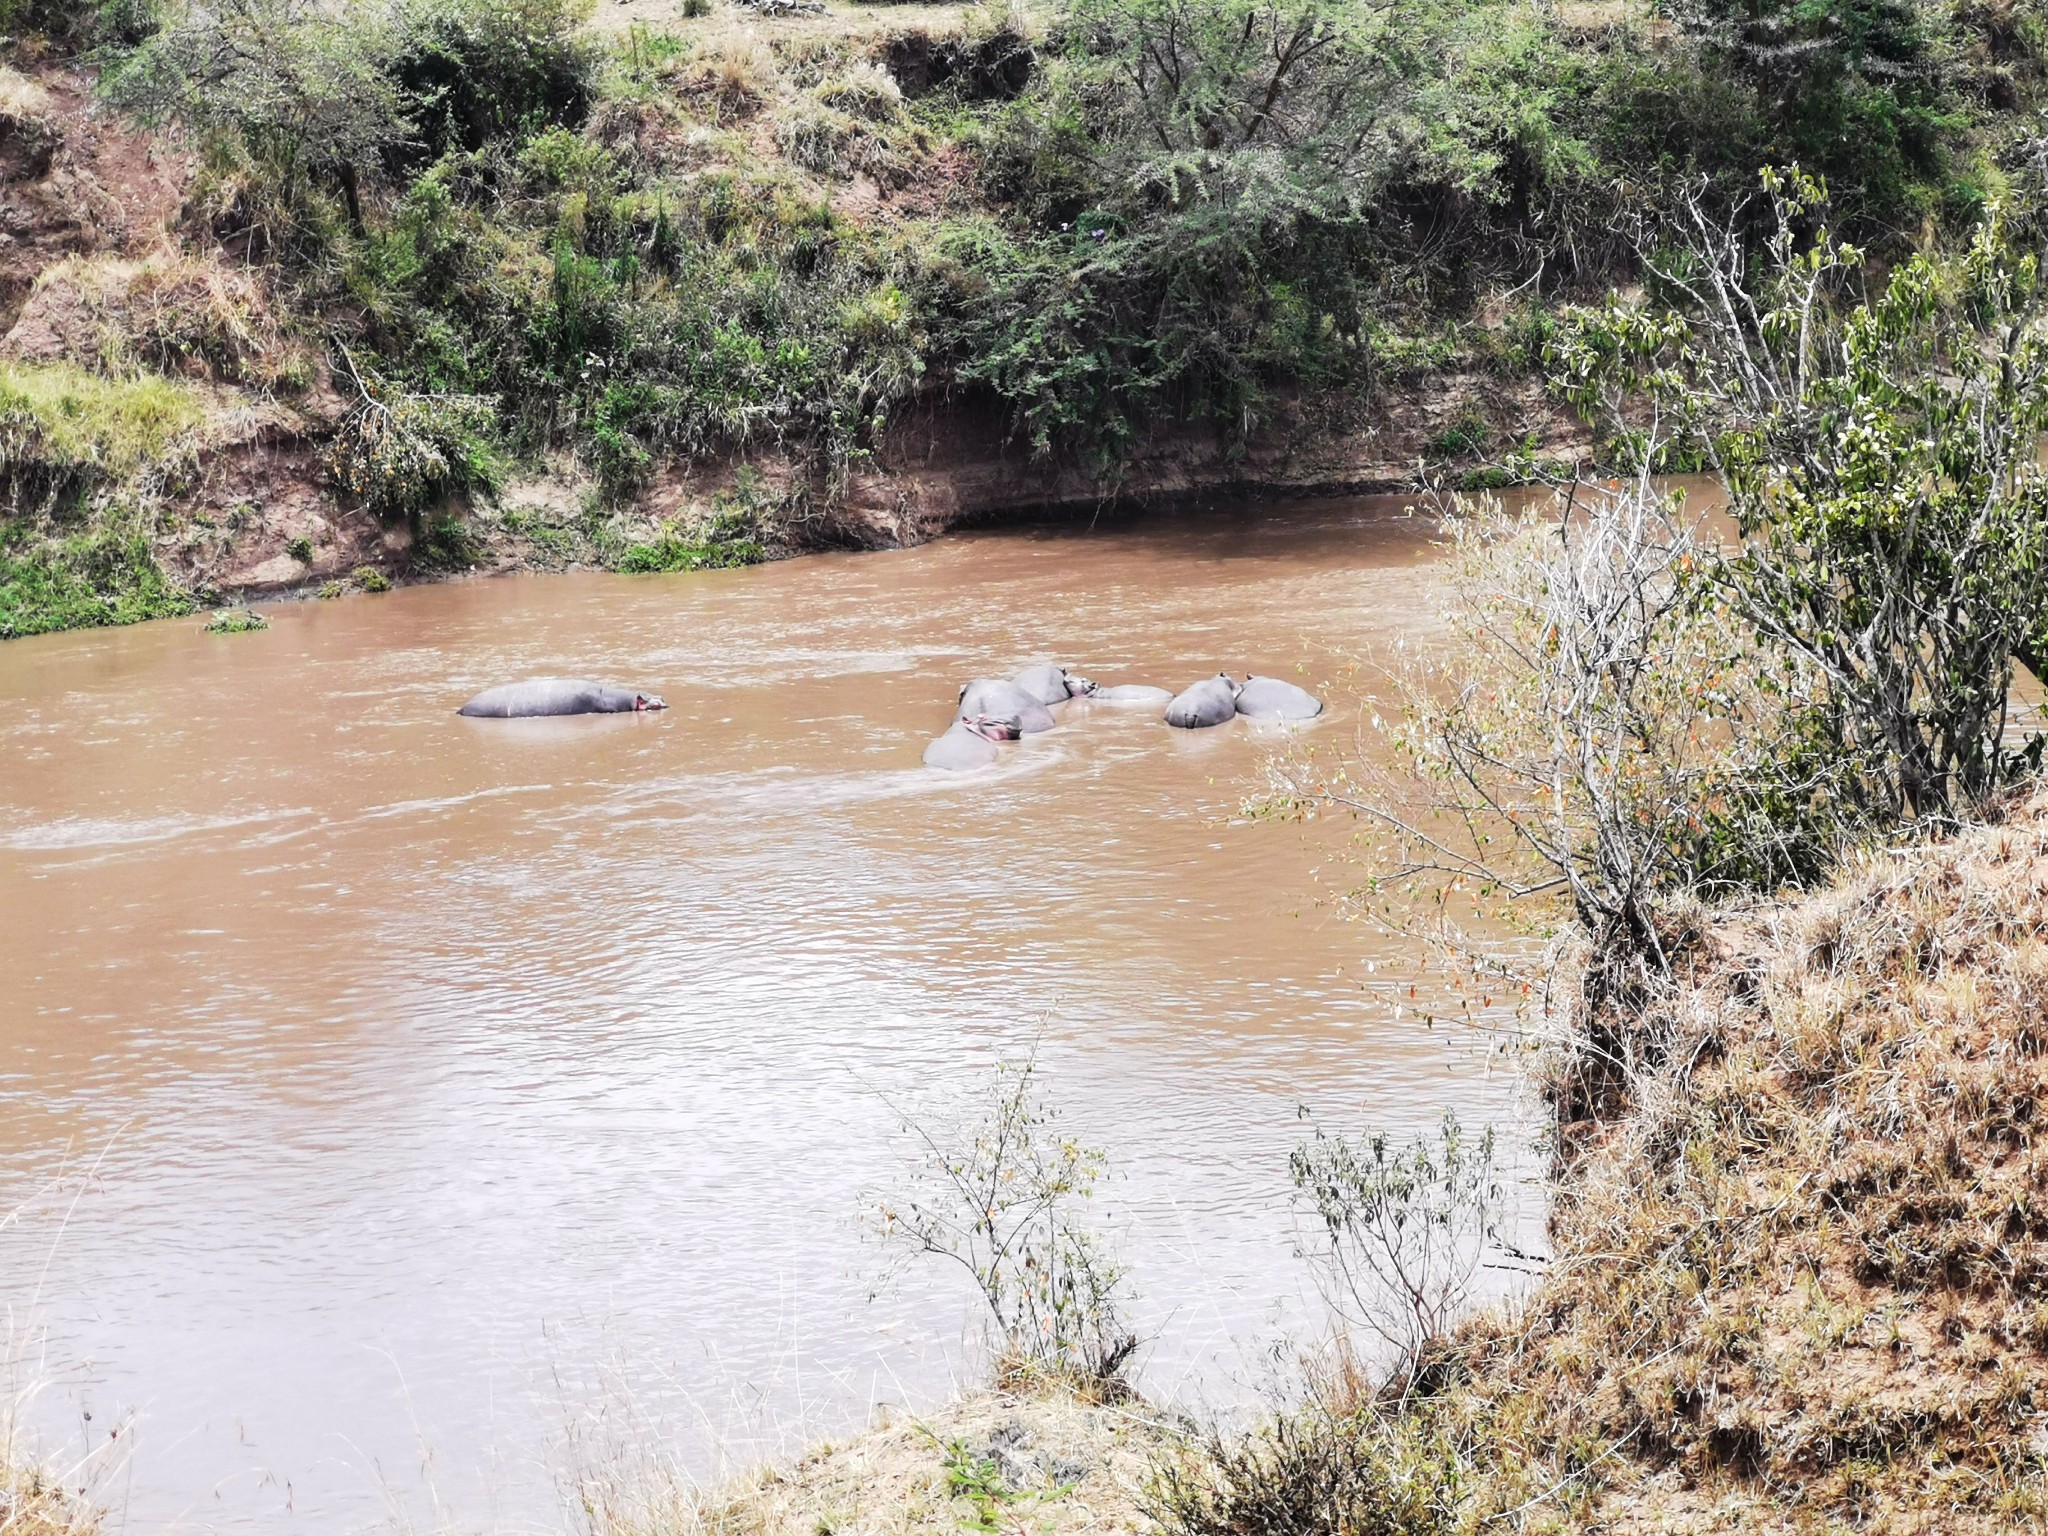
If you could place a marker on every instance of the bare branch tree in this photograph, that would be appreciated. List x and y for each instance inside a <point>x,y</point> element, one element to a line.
<point>999,1197</point>
<point>1403,1231</point>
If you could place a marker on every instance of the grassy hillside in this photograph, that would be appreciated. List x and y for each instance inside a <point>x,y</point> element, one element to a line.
<point>411,255</point>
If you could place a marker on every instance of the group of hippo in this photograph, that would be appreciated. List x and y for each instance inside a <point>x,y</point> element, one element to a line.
<point>993,710</point>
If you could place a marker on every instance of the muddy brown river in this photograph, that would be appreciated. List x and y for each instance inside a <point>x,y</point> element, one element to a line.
<point>399,1111</point>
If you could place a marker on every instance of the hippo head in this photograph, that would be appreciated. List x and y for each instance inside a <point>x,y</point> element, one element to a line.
<point>644,701</point>
<point>1079,687</point>
<point>992,729</point>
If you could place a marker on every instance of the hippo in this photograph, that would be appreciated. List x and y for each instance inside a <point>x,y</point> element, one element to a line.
<point>1269,698</point>
<point>1052,685</point>
<point>969,743</point>
<point>557,696</point>
<point>1132,693</point>
<point>1212,701</point>
<point>1004,701</point>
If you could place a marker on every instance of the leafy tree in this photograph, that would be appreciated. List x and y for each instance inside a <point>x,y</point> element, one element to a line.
<point>1200,185</point>
<point>300,83</point>
<point>1856,89</point>
<point>1310,100</point>
<point>1883,461</point>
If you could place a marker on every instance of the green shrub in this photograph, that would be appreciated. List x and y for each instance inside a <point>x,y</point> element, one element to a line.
<point>472,72</point>
<point>369,579</point>
<point>81,23</point>
<point>671,550</point>
<point>104,575</point>
<point>403,452</point>
<point>1465,437</point>
<point>236,621</point>
<point>447,544</point>
<point>300,548</point>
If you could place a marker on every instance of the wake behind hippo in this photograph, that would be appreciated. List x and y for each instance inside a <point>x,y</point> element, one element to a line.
<point>1005,701</point>
<point>1132,693</point>
<point>1272,698</point>
<point>1212,701</point>
<point>557,696</point>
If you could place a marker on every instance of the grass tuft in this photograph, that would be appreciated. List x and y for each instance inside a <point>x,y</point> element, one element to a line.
<point>236,621</point>
<point>64,430</point>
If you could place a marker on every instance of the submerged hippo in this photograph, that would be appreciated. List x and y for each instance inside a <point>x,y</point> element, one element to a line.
<point>969,743</point>
<point>1052,685</point>
<point>557,696</point>
<point>1212,701</point>
<point>999,700</point>
<point>1133,693</point>
<point>1269,698</point>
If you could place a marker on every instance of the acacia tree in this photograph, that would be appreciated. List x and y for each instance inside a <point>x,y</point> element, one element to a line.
<point>1207,178</point>
<point>303,85</point>
<point>1324,88</point>
<point>1882,458</point>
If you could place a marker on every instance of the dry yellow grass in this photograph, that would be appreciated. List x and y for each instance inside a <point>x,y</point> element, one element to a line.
<point>20,97</point>
<point>1802,1283</point>
<point>174,314</point>
<point>33,1502</point>
<point>1043,1461</point>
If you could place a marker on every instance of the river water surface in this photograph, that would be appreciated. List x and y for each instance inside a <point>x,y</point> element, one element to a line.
<point>393,1103</point>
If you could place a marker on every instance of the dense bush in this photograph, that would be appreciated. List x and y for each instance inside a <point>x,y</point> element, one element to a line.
<point>1192,190</point>
<point>1858,90</point>
<point>475,72</point>
<point>1318,1469</point>
<point>1187,211</point>
<point>401,453</point>
<point>300,88</point>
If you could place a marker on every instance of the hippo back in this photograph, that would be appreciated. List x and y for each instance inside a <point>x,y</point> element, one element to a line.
<point>1210,702</point>
<point>548,696</point>
<point>1272,698</point>
<point>960,749</point>
<point>1048,684</point>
